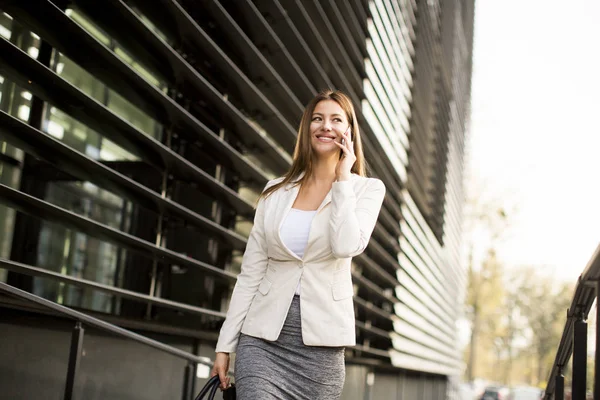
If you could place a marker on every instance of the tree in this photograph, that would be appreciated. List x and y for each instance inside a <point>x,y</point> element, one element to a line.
<point>516,316</point>
<point>513,324</point>
<point>544,304</point>
<point>484,296</point>
<point>485,224</point>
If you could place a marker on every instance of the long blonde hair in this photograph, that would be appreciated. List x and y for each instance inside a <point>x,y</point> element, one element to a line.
<point>302,164</point>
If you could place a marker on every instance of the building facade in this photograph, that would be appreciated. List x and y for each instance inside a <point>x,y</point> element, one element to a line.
<point>136,136</point>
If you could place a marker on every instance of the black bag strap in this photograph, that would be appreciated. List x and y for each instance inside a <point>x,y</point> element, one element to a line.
<point>213,392</point>
<point>212,385</point>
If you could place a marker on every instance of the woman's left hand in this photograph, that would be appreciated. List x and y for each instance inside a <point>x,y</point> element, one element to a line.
<point>343,169</point>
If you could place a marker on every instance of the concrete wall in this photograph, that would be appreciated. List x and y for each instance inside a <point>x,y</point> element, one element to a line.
<point>34,352</point>
<point>34,355</point>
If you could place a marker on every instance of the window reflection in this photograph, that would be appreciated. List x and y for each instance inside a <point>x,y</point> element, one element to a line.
<point>9,176</point>
<point>90,27</point>
<point>136,117</point>
<point>76,254</point>
<point>83,80</point>
<point>15,102</point>
<point>77,76</point>
<point>94,88</point>
<point>82,138</point>
<point>5,25</point>
<point>60,249</point>
<point>73,253</point>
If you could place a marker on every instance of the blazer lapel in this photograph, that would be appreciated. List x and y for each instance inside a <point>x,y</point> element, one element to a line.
<point>288,196</point>
<point>326,201</point>
<point>327,198</point>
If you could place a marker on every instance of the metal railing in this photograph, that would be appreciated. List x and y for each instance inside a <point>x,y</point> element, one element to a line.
<point>82,319</point>
<point>574,338</point>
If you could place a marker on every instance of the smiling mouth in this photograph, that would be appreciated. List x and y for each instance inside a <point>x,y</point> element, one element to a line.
<point>326,138</point>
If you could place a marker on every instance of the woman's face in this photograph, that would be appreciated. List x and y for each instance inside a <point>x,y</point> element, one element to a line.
<point>328,122</point>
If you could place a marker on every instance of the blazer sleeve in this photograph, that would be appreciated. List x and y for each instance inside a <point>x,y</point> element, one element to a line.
<point>353,219</point>
<point>254,265</point>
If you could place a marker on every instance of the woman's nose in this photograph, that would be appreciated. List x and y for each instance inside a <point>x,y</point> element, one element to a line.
<point>327,125</point>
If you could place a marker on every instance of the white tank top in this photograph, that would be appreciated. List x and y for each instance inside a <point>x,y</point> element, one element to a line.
<point>295,230</point>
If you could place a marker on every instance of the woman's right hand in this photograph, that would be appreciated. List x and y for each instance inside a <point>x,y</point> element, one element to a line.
<point>221,368</point>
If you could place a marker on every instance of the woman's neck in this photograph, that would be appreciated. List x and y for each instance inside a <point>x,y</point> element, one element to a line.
<point>324,170</point>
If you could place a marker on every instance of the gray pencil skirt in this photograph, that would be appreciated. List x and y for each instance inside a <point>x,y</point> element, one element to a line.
<point>287,368</point>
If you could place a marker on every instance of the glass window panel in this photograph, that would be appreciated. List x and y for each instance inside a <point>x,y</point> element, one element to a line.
<point>9,176</point>
<point>11,102</point>
<point>15,104</point>
<point>82,138</point>
<point>89,26</point>
<point>94,88</point>
<point>152,27</point>
<point>88,200</point>
<point>76,254</point>
<point>256,159</point>
<point>5,25</point>
<point>122,53</point>
<point>79,77</point>
<point>133,115</point>
<point>14,100</point>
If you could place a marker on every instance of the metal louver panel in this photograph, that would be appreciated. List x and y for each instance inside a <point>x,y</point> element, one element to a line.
<point>49,212</point>
<point>84,168</point>
<point>34,271</point>
<point>92,55</point>
<point>50,87</point>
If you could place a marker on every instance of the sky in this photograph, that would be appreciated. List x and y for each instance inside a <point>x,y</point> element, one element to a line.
<point>535,135</point>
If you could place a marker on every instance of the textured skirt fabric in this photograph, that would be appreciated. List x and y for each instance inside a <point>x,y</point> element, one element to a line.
<point>286,368</point>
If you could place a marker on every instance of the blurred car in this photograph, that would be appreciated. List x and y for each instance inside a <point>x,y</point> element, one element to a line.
<point>495,393</point>
<point>526,393</point>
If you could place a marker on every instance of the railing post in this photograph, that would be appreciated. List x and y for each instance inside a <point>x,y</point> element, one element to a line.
<point>189,380</point>
<point>559,386</point>
<point>597,363</point>
<point>74,358</point>
<point>579,359</point>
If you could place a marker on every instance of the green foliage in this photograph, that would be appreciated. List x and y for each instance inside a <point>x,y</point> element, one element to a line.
<point>517,317</point>
<point>544,304</point>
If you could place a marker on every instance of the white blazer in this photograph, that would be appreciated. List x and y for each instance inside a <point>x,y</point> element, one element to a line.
<point>270,271</point>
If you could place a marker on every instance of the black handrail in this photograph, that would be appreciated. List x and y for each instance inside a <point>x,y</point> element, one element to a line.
<point>77,340</point>
<point>574,337</point>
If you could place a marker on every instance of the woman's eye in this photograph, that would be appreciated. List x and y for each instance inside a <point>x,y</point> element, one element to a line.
<point>316,118</point>
<point>337,120</point>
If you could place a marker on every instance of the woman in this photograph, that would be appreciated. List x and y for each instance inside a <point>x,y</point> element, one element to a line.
<point>291,312</point>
